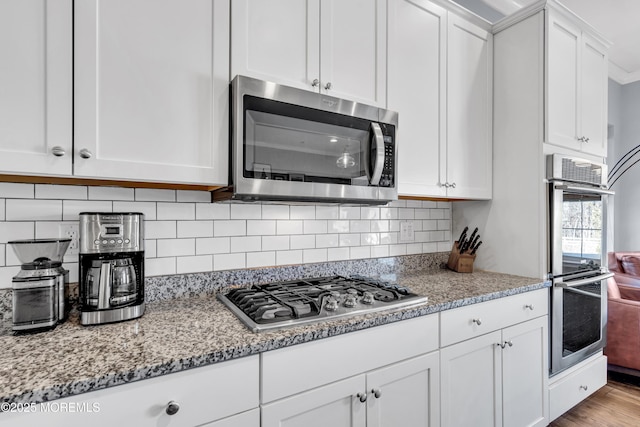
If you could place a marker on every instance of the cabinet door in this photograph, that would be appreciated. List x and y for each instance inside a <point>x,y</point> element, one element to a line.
<point>593,103</point>
<point>471,382</point>
<point>151,90</point>
<point>417,91</point>
<point>354,50</point>
<point>563,49</point>
<point>408,394</point>
<point>469,107</point>
<point>35,86</point>
<point>525,374</point>
<point>335,405</point>
<point>277,41</point>
<point>246,419</point>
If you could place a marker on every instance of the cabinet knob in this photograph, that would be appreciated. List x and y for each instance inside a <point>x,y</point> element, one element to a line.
<point>452,185</point>
<point>529,306</point>
<point>477,321</point>
<point>586,139</point>
<point>376,392</point>
<point>362,397</point>
<point>584,387</point>
<point>328,86</point>
<point>172,408</point>
<point>445,185</point>
<point>58,151</point>
<point>315,83</point>
<point>85,154</point>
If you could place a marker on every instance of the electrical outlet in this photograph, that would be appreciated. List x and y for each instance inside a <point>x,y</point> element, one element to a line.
<point>406,231</point>
<point>70,231</point>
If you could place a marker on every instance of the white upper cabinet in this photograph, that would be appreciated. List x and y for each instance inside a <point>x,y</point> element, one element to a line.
<point>336,47</point>
<point>151,90</point>
<point>36,87</point>
<point>440,82</point>
<point>576,98</point>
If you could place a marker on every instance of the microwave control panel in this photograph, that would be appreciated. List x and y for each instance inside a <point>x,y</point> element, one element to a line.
<point>388,171</point>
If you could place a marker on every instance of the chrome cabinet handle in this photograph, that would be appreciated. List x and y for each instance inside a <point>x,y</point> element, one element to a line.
<point>584,387</point>
<point>58,151</point>
<point>477,321</point>
<point>172,408</point>
<point>452,185</point>
<point>315,83</point>
<point>85,154</point>
<point>446,185</point>
<point>362,397</point>
<point>506,343</point>
<point>376,392</point>
<point>529,306</point>
<point>328,86</point>
<point>586,139</point>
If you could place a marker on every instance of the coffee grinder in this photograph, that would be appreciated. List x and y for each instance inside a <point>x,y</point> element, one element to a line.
<point>41,288</point>
<point>111,267</point>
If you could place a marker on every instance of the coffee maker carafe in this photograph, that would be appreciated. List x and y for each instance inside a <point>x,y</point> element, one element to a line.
<point>111,267</point>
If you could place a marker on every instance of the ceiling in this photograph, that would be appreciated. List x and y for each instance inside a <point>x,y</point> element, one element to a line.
<point>617,22</point>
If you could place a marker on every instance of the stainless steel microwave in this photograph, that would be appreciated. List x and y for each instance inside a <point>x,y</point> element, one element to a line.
<point>296,145</point>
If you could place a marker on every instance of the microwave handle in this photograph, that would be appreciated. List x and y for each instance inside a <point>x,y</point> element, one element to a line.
<point>378,161</point>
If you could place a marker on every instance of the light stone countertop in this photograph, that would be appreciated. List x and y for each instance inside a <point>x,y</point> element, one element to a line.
<point>187,332</point>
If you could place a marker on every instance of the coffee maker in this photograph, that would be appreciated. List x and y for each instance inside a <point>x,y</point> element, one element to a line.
<point>111,267</point>
<point>41,288</point>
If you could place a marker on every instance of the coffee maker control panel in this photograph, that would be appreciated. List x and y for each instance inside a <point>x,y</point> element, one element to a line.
<point>111,232</point>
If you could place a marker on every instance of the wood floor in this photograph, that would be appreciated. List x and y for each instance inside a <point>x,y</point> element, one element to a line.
<point>617,404</point>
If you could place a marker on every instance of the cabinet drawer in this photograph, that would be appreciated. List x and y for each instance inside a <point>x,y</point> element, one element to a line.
<point>295,369</point>
<point>471,321</point>
<point>572,389</point>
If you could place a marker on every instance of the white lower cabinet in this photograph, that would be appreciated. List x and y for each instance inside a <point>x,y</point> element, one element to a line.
<point>497,379</point>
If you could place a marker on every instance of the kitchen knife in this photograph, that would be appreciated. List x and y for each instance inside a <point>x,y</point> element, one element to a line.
<point>473,235</point>
<point>462,241</point>
<point>464,232</point>
<point>472,244</point>
<point>476,248</point>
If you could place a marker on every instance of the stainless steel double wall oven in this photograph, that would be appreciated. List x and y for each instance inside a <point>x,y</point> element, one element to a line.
<point>577,222</point>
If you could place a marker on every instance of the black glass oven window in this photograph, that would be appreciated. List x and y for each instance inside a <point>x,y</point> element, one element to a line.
<point>582,222</point>
<point>582,317</point>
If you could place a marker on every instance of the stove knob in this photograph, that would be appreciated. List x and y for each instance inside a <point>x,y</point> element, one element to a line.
<point>367,298</point>
<point>352,291</point>
<point>334,294</point>
<point>350,301</point>
<point>331,305</point>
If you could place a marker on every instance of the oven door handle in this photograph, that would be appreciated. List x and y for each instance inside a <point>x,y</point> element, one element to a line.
<point>584,189</point>
<point>581,282</point>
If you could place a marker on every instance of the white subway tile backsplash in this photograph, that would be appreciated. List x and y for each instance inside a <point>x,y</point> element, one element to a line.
<point>150,249</point>
<point>436,213</point>
<point>431,247</point>
<point>302,242</point>
<point>275,243</point>
<point>261,227</point>
<point>379,251</point>
<point>10,257</point>
<point>397,204</point>
<point>444,205</point>
<point>48,191</point>
<point>302,212</point>
<point>2,208</point>
<point>73,269</point>
<point>232,227</point>
<point>326,212</point>
<point>275,212</point>
<point>349,239</point>
<point>195,229</point>
<point>33,210</point>
<point>388,238</point>
<point>176,247</point>
<point>314,255</point>
<point>397,250</point>
<point>338,226</point>
<point>16,231</point>
<point>159,266</point>
<point>213,211</point>
<point>414,203</point>
<point>246,211</point>
<point>6,274</point>
<point>406,213</point>
<point>421,236</point>
<point>289,227</point>
<point>229,261</point>
<point>246,244</point>
<point>388,213</point>
<point>10,190</point>
<point>288,257</point>
<point>444,224</point>
<point>160,230</point>
<point>193,196</point>
<point>444,246</point>
<point>71,208</point>
<point>394,226</point>
<point>368,239</point>
<point>417,225</point>
<point>360,252</point>
<point>147,208</point>
<point>436,236</point>
<point>194,264</point>
<point>327,240</point>
<point>349,212</point>
<point>337,254</point>
<point>49,229</point>
<point>177,211</point>
<point>261,259</point>
<point>2,250</point>
<point>380,225</point>
<point>154,195</point>
<point>447,235</point>
<point>422,214</point>
<point>111,193</point>
<point>369,213</point>
<point>429,204</point>
<point>213,245</point>
<point>314,226</point>
<point>414,248</point>
<point>430,224</point>
<point>360,226</point>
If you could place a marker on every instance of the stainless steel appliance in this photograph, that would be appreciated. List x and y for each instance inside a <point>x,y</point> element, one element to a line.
<point>282,304</point>
<point>41,288</point>
<point>111,267</point>
<point>292,144</point>
<point>578,208</point>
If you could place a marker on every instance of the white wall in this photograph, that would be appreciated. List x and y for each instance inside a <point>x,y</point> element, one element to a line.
<point>185,233</point>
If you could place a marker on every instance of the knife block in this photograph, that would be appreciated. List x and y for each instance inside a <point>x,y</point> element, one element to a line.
<point>462,263</point>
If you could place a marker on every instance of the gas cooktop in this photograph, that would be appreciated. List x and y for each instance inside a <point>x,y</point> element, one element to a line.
<point>282,304</point>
